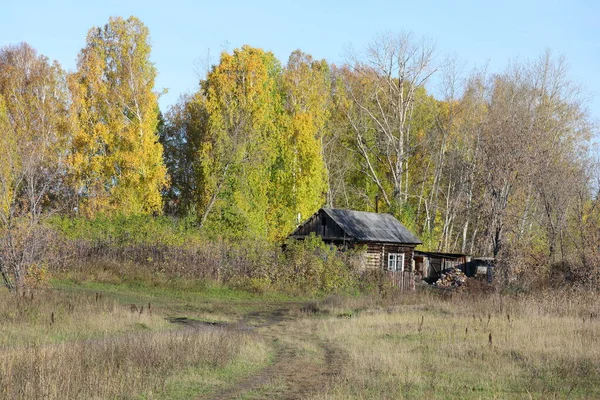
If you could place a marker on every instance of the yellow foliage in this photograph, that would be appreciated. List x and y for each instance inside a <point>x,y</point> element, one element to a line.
<point>7,150</point>
<point>117,160</point>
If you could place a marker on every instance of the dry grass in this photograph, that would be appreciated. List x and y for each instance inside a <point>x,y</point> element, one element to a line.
<point>422,345</point>
<point>50,316</point>
<point>58,345</point>
<point>542,346</point>
<point>125,367</point>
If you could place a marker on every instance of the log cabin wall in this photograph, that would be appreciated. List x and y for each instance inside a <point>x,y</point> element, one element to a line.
<point>374,254</point>
<point>377,255</point>
<point>399,249</point>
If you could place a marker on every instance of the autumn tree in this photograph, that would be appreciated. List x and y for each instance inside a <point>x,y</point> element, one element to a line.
<point>117,159</point>
<point>235,156</point>
<point>562,131</point>
<point>383,89</point>
<point>532,137</point>
<point>302,181</point>
<point>181,134</point>
<point>584,230</point>
<point>444,163</point>
<point>341,161</point>
<point>34,140</point>
<point>260,159</point>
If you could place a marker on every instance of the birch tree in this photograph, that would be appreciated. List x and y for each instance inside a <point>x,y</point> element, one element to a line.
<point>383,89</point>
<point>306,89</point>
<point>238,149</point>
<point>34,140</point>
<point>117,158</point>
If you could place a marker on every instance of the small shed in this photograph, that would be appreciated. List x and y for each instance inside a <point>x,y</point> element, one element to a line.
<point>481,267</point>
<point>389,244</point>
<point>430,265</point>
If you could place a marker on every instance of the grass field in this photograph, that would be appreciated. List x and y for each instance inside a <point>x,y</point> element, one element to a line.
<point>91,339</point>
<point>543,346</point>
<point>103,341</point>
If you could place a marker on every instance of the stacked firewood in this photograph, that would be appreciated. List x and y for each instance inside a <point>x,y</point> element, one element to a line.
<point>451,278</point>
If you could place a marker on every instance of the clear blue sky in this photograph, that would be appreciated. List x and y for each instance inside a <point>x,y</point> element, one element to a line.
<point>182,32</point>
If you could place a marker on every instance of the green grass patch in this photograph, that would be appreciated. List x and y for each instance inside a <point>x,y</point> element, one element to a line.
<point>207,301</point>
<point>206,380</point>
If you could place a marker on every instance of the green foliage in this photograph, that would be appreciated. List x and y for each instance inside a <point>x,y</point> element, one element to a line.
<point>238,148</point>
<point>299,176</point>
<point>313,266</point>
<point>128,230</point>
<point>181,134</point>
<point>135,249</point>
<point>259,159</point>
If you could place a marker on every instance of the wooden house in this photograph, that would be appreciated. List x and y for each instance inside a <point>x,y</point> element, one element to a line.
<point>389,244</point>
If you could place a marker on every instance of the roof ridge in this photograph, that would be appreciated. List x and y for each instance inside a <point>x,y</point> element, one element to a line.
<point>355,211</point>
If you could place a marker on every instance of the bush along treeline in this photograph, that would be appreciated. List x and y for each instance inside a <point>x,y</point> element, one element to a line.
<point>493,165</point>
<point>117,255</point>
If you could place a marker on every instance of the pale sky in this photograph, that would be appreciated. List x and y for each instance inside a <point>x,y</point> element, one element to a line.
<point>184,32</point>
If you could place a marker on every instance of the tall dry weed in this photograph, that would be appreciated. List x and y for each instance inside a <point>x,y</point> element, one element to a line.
<point>125,367</point>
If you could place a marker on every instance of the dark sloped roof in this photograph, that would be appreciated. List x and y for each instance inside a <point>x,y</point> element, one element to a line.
<point>372,227</point>
<point>439,254</point>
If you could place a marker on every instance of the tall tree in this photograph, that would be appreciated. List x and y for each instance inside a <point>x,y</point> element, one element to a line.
<point>117,158</point>
<point>531,141</point>
<point>307,90</point>
<point>384,91</point>
<point>235,156</point>
<point>34,138</point>
<point>349,184</point>
<point>181,135</point>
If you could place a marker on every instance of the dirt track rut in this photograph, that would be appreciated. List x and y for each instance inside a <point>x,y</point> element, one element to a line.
<point>303,364</point>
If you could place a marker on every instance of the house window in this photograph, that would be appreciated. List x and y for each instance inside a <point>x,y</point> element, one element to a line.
<point>396,262</point>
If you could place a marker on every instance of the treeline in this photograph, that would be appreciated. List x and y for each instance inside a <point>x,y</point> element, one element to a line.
<point>494,164</point>
<point>498,165</point>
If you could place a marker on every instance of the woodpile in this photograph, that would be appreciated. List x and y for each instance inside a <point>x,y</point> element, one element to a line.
<point>451,278</point>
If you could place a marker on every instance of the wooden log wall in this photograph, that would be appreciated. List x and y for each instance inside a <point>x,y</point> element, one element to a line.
<point>405,281</point>
<point>377,255</point>
<point>322,225</point>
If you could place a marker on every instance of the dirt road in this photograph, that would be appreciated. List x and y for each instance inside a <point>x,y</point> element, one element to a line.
<point>302,365</point>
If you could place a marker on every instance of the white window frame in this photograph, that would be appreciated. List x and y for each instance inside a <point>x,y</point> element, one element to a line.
<point>395,262</point>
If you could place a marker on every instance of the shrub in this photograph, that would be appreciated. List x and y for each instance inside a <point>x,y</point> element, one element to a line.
<point>311,265</point>
<point>101,249</point>
<point>132,230</point>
